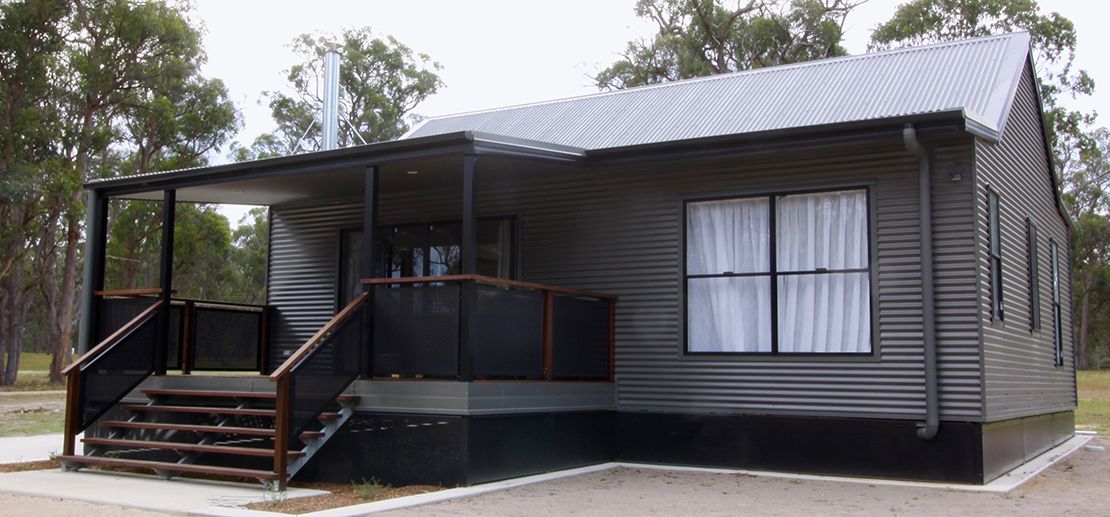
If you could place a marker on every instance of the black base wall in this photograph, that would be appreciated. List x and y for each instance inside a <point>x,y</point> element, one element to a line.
<point>458,451</point>
<point>837,446</point>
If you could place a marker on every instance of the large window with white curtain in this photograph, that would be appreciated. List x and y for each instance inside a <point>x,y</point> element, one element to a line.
<point>779,274</point>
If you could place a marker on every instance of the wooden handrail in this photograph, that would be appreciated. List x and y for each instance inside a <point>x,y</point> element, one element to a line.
<point>488,280</point>
<point>307,347</point>
<point>218,304</point>
<point>131,292</point>
<point>112,339</point>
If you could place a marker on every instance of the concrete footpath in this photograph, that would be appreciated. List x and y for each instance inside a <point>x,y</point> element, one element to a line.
<point>19,449</point>
<point>182,496</point>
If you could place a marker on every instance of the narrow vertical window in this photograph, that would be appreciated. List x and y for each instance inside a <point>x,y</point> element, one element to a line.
<point>1057,323</point>
<point>995,239</point>
<point>1034,276</point>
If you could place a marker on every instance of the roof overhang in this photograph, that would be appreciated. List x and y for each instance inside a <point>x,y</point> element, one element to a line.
<point>346,160</point>
<point>338,172</point>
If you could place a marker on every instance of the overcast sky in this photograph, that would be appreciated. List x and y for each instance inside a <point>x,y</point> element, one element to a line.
<point>503,52</point>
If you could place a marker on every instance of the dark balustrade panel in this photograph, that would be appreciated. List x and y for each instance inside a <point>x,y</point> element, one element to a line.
<point>507,333</point>
<point>114,313</point>
<point>226,339</point>
<point>580,338</point>
<point>115,372</point>
<point>416,330</point>
<point>325,372</point>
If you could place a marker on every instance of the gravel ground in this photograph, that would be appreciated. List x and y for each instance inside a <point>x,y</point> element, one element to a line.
<point>1078,485</point>
<point>11,401</point>
<point>25,506</point>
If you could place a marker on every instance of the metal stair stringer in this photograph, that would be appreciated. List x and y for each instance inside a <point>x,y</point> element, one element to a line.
<point>313,445</point>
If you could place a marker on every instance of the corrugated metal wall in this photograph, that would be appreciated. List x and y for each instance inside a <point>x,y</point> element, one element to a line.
<point>619,230</point>
<point>1021,376</point>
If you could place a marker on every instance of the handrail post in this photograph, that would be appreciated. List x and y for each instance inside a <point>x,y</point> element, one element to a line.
<point>468,290</point>
<point>548,334</point>
<point>264,340</point>
<point>188,337</point>
<point>73,411</point>
<point>282,402</point>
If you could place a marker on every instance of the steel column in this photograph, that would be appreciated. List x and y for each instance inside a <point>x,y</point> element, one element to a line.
<point>468,255</point>
<point>169,218</point>
<point>370,256</point>
<point>96,232</point>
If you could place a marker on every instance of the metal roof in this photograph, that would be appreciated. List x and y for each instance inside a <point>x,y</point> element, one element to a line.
<point>976,76</point>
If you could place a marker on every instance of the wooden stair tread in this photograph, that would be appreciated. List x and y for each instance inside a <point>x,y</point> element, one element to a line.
<point>199,409</point>
<point>348,398</point>
<point>172,467</point>
<point>190,447</point>
<point>249,431</point>
<point>311,434</point>
<point>210,393</point>
<point>328,415</point>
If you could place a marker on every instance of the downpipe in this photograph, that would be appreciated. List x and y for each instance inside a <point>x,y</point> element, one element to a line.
<point>928,312</point>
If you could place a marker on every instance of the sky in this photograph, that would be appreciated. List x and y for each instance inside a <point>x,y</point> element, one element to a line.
<point>502,52</point>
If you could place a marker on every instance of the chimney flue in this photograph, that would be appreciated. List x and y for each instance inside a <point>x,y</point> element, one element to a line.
<point>329,117</point>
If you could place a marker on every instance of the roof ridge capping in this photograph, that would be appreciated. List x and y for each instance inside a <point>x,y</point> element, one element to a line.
<point>1018,38</point>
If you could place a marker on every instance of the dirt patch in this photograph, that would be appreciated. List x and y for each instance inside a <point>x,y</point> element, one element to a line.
<point>340,496</point>
<point>30,465</point>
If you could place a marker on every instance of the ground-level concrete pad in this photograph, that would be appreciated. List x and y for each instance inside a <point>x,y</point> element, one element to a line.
<point>180,495</point>
<point>20,449</point>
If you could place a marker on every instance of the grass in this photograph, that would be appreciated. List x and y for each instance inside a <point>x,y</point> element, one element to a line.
<point>30,423</point>
<point>369,490</point>
<point>1094,401</point>
<point>34,361</point>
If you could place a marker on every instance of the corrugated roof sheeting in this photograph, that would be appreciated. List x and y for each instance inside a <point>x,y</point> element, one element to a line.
<point>978,76</point>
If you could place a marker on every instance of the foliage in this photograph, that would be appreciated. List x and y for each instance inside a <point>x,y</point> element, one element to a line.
<point>91,89</point>
<point>704,37</point>
<point>380,82</point>
<point>369,490</point>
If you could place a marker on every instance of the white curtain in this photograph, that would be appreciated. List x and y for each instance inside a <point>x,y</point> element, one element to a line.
<point>728,314</point>
<point>823,312</point>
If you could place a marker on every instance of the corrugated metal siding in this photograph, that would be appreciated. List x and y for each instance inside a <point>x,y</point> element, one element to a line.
<point>1019,365</point>
<point>619,230</point>
<point>977,75</point>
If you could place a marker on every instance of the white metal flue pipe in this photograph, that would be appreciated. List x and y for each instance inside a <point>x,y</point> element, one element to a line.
<point>329,116</point>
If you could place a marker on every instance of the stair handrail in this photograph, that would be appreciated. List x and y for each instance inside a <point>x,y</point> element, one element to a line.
<point>284,393</point>
<point>73,374</point>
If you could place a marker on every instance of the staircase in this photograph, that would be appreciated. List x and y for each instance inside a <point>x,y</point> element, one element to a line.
<point>214,432</point>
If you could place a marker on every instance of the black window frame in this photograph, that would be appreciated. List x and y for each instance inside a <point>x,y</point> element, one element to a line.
<point>774,274</point>
<point>384,251</point>
<point>994,255</point>
<point>1034,275</point>
<point>1057,317</point>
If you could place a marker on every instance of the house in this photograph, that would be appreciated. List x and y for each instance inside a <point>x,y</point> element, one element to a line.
<point>852,266</point>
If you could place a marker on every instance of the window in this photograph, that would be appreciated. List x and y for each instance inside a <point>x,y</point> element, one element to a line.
<point>1034,276</point>
<point>782,274</point>
<point>428,250</point>
<point>1057,323</point>
<point>995,240</point>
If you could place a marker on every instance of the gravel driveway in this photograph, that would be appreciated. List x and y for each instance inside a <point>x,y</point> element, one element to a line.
<point>1077,485</point>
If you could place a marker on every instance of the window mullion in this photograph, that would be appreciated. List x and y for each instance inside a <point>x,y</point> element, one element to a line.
<point>772,240</point>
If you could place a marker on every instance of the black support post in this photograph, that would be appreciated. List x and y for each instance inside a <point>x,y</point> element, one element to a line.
<point>370,268</point>
<point>468,266</point>
<point>96,230</point>
<point>169,218</point>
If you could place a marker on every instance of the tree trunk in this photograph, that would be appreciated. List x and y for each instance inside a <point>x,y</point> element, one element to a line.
<point>1084,315</point>
<point>15,314</point>
<point>68,297</point>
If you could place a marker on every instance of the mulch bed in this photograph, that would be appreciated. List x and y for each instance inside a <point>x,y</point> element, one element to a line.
<point>340,496</point>
<point>30,465</point>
